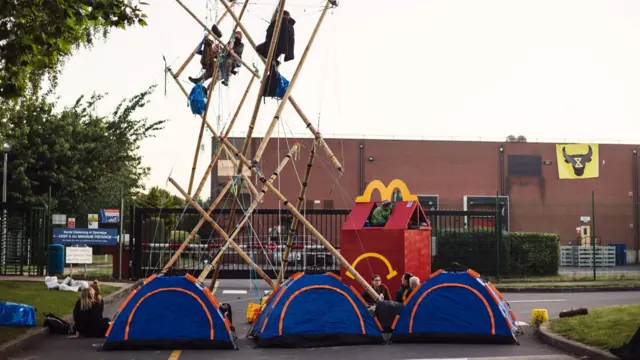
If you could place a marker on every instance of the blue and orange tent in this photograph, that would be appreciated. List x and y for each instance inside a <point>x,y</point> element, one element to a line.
<point>456,306</point>
<point>170,313</point>
<point>314,311</point>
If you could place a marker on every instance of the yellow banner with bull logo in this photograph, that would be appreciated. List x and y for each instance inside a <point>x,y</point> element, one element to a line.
<point>578,161</point>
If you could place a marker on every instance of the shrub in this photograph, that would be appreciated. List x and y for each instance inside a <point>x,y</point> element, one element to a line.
<point>179,236</point>
<point>519,254</point>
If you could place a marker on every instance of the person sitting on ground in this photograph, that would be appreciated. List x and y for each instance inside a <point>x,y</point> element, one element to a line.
<point>378,287</point>
<point>405,288</point>
<point>286,39</point>
<point>87,315</point>
<point>97,294</point>
<point>381,214</point>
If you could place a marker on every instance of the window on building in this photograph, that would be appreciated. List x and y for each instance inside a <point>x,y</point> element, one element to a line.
<point>309,204</point>
<point>327,204</point>
<point>226,169</point>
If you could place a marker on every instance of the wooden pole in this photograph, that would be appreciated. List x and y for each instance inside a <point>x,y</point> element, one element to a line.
<point>235,115</point>
<point>247,180</point>
<point>212,85</point>
<point>252,208</point>
<point>283,102</point>
<point>303,116</point>
<point>221,232</point>
<point>197,227</point>
<point>207,172</point>
<point>226,46</point>
<point>193,53</point>
<point>306,223</point>
<point>294,224</point>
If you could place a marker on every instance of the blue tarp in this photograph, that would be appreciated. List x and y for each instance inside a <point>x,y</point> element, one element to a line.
<point>198,99</point>
<point>456,306</point>
<point>12,314</point>
<point>170,313</point>
<point>315,310</point>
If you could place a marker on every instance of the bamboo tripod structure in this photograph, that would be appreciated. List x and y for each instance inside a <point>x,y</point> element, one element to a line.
<point>241,156</point>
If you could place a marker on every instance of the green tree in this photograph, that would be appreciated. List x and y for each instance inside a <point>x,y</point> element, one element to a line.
<point>86,159</point>
<point>159,198</point>
<point>36,36</point>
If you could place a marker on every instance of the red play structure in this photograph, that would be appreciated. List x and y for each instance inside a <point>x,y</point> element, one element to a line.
<point>402,245</point>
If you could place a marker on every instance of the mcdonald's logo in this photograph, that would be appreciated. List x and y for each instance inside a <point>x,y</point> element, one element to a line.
<point>386,192</point>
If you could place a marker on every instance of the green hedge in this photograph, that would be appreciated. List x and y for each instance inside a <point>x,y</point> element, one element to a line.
<point>520,254</point>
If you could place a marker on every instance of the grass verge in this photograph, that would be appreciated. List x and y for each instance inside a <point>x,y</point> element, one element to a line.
<point>570,285</point>
<point>604,328</point>
<point>36,294</point>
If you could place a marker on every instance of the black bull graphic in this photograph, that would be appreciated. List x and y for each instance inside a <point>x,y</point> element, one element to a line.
<point>578,161</point>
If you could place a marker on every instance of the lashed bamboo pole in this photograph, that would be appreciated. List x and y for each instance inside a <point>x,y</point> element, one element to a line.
<point>303,116</point>
<point>309,226</point>
<point>254,116</point>
<point>195,51</point>
<point>197,227</point>
<point>235,115</point>
<point>294,224</point>
<point>226,46</point>
<point>212,85</point>
<point>292,83</point>
<point>222,233</point>
<point>247,180</point>
<point>251,209</point>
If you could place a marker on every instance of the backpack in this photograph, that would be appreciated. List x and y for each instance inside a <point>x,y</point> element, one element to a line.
<point>57,325</point>
<point>198,99</point>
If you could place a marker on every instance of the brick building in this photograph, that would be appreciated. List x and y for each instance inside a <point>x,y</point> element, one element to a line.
<point>458,175</point>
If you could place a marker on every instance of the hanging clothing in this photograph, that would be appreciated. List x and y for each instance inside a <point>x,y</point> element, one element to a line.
<point>286,40</point>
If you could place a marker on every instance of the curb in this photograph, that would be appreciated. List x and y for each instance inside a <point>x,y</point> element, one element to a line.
<point>566,289</point>
<point>571,346</point>
<point>38,334</point>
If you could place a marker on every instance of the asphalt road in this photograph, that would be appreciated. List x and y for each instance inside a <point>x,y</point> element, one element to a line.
<point>238,294</point>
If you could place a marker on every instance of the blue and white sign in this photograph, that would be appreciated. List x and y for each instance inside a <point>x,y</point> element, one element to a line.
<point>109,216</point>
<point>85,236</point>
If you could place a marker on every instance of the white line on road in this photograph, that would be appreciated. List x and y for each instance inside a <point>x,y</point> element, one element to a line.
<point>521,323</point>
<point>535,301</point>
<point>243,292</point>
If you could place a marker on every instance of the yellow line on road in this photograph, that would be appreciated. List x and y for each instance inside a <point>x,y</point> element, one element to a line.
<point>175,355</point>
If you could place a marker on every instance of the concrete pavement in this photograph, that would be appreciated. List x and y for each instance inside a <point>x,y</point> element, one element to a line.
<point>239,292</point>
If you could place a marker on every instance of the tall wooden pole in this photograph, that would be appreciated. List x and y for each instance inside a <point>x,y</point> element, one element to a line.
<point>254,204</point>
<point>222,233</point>
<point>197,227</point>
<point>212,85</point>
<point>294,224</point>
<point>292,83</point>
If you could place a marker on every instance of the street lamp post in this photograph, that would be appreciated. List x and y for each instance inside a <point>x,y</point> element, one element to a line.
<point>6,147</point>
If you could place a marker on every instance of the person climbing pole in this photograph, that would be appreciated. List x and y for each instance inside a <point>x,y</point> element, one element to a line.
<point>210,53</point>
<point>286,39</point>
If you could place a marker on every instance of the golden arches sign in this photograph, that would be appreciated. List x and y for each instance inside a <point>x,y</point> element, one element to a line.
<point>392,273</point>
<point>386,192</point>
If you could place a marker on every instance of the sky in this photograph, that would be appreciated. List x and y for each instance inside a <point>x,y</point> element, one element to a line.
<point>551,70</point>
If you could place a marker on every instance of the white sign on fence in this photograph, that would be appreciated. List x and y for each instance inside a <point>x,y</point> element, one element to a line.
<point>79,255</point>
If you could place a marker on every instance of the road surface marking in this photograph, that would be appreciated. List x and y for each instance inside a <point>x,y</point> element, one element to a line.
<point>535,301</point>
<point>175,355</point>
<point>243,292</point>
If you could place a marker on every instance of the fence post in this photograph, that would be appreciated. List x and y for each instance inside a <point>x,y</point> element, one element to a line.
<point>498,236</point>
<point>593,232</point>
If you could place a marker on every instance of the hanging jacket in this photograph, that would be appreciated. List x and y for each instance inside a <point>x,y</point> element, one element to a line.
<point>286,41</point>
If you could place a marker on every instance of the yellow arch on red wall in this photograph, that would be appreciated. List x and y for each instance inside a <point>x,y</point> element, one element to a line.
<point>386,192</point>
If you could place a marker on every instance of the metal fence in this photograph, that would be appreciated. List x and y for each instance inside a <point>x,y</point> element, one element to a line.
<point>159,232</point>
<point>23,240</point>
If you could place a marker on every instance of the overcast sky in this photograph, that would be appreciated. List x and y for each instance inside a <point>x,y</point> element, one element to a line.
<point>546,69</point>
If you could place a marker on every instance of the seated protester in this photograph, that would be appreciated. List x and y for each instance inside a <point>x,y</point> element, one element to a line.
<point>414,283</point>
<point>230,63</point>
<point>405,289</point>
<point>97,294</point>
<point>209,58</point>
<point>379,288</point>
<point>381,214</point>
<point>286,39</point>
<point>87,315</point>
